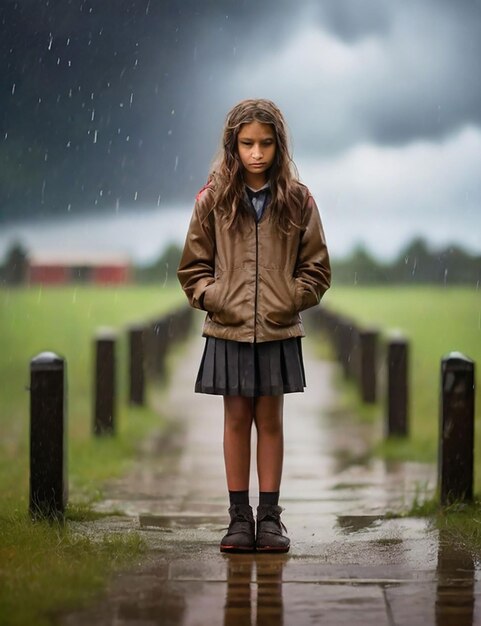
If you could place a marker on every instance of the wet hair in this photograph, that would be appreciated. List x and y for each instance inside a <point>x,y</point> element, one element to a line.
<point>227,173</point>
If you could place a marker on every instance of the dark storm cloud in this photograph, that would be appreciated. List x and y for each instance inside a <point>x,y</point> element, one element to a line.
<point>386,73</point>
<point>352,20</point>
<point>104,104</point>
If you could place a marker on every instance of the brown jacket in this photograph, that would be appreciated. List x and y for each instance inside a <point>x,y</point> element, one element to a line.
<point>253,282</point>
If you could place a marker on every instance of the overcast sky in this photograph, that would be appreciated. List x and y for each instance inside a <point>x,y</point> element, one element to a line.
<point>383,101</point>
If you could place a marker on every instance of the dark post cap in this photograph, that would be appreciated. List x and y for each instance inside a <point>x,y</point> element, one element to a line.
<point>396,335</point>
<point>369,330</point>
<point>458,360</point>
<point>106,333</point>
<point>137,326</point>
<point>47,361</point>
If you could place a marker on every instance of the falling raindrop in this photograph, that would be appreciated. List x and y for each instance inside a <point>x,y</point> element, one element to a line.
<point>93,115</point>
<point>136,195</point>
<point>95,136</point>
<point>50,41</point>
<point>117,205</point>
<point>69,207</point>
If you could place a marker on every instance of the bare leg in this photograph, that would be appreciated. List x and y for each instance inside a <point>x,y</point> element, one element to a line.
<point>238,418</point>
<point>270,441</point>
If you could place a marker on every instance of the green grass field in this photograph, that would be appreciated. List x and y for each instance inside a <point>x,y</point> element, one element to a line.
<point>64,320</point>
<point>436,320</point>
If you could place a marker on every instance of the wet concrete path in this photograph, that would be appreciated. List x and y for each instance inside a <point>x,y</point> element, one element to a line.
<point>348,562</point>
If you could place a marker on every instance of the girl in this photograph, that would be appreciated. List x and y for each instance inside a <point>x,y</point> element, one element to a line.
<point>254,257</point>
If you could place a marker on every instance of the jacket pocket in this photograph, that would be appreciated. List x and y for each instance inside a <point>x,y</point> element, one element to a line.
<point>210,297</point>
<point>233,305</point>
<point>277,298</point>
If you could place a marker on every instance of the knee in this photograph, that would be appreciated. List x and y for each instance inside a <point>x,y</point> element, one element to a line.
<point>238,414</point>
<point>238,423</point>
<point>270,425</point>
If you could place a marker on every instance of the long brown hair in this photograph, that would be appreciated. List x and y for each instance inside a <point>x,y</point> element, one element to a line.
<point>227,173</point>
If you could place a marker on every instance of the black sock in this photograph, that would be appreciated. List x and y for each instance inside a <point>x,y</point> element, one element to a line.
<point>239,497</point>
<point>269,497</point>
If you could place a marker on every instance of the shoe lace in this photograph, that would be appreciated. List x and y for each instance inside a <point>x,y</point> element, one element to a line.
<point>272,515</point>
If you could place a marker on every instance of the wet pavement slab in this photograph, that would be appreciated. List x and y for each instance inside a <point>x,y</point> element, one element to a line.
<point>350,560</point>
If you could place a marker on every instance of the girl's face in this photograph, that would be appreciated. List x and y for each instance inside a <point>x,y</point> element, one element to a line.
<point>256,145</point>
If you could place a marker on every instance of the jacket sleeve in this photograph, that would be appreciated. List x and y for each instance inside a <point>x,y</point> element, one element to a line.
<point>313,270</point>
<point>196,267</point>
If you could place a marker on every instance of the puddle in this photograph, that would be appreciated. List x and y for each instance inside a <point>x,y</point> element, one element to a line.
<point>177,521</point>
<point>356,523</point>
<point>350,486</point>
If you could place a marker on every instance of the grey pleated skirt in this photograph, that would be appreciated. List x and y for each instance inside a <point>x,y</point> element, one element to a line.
<point>232,368</point>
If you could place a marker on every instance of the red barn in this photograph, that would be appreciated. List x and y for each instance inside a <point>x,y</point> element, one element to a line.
<point>64,268</point>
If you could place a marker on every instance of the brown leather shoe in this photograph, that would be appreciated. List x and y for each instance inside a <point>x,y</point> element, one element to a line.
<point>240,535</point>
<point>270,536</point>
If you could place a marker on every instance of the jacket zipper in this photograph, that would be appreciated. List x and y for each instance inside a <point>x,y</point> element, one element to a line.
<point>257,280</point>
<point>257,261</point>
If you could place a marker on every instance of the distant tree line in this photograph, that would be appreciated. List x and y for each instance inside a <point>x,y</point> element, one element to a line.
<point>14,269</point>
<point>416,263</point>
<point>163,270</point>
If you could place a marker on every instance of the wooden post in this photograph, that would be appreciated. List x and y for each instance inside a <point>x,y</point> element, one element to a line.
<point>397,386</point>
<point>346,345</point>
<point>368,364</point>
<point>136,364</point>
<point>456,427</point>
<point>104,382</point>
<point>48,435</point>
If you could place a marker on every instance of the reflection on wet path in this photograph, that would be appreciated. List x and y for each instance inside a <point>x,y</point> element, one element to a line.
<point>455,584</point>
<point>248,603</point>
<point>350,563</point>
